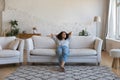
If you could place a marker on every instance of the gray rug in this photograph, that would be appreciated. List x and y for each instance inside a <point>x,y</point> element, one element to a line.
<point>72,73</point>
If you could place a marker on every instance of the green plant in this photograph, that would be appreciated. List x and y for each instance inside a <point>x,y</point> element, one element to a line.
<point>83,33</point>
<point>14,30</point>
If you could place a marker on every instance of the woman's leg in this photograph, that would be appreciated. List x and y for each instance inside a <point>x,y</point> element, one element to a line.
<point>65,55</point>
<point>59,54</point>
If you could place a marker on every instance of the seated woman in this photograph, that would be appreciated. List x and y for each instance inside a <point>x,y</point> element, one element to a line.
<point>62,40</point>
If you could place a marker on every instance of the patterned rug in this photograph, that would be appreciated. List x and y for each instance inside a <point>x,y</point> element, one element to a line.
<point>72,73</point>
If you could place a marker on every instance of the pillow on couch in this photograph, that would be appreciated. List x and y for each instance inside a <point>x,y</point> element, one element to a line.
<point>13,44</point>
<point>0,47</point>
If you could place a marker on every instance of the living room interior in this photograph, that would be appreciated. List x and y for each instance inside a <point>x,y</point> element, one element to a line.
<point>95,40</point>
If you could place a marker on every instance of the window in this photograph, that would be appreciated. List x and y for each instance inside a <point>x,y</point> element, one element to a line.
<point>118,19</point>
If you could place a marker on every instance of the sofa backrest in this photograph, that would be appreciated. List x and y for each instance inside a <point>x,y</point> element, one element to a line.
<point>79,42</point>
<point>5,41</point>
<point>76,42</point>
<point>42,42</point>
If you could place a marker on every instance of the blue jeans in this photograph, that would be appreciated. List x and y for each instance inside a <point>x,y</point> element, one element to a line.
<point>62,53</point>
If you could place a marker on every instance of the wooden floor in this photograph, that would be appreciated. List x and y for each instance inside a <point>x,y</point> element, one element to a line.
<point>5,70</point>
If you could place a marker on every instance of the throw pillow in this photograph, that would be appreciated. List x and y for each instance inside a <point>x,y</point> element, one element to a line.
<point>13,44</point>
<point>0,47</point>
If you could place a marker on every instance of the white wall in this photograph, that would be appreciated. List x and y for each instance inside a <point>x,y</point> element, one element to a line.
<point>53,16</point>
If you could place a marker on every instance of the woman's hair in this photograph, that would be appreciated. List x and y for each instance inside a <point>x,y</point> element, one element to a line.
<point>59,36</point>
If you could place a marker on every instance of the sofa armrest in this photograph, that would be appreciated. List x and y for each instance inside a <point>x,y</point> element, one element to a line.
<point>21,45</point>
<point>29,47</point>
<point>98,48</point>
<point>98,45</point>
<point>29,44</point>
<point>21,49</point>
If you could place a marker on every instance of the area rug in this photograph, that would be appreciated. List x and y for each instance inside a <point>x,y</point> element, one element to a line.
<point>71,73</point>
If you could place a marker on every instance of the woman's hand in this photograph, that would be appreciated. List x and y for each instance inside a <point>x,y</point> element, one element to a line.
<point>70,33</point>
<point>51,35</point>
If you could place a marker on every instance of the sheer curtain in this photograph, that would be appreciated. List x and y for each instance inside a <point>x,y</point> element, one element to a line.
<point>111,28</point>
<point>2,7</point>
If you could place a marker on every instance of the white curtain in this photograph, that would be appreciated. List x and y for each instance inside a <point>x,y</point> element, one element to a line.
<point>111,29</point>
<point>2,5</point>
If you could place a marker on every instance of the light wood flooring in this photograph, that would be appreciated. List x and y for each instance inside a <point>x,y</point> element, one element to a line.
<point>5,70</point>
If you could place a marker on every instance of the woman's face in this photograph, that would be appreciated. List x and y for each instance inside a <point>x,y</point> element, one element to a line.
<point>63,35</point>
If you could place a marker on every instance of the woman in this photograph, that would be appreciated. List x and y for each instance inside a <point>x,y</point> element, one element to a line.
<point>62,40</point>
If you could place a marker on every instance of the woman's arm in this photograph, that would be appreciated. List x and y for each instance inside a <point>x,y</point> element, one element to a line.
<point>53,36</point>
<point>69,35</point>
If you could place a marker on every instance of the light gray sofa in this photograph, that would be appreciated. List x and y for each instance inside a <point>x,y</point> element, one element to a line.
<point>11,52</point>
<point>83,49</point>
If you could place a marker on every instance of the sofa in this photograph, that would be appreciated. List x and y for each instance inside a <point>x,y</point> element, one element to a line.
<point>83,49</point>
<point>11,50</point>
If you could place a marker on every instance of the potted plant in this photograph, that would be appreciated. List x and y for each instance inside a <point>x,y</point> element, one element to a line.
<point>14,30</point>
<point>34,30</point>
<point>83,33</point>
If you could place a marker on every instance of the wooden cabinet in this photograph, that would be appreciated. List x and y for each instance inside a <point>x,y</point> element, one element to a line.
<point>26,35</point>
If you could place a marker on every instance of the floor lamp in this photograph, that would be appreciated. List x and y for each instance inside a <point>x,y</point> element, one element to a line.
<point>97,20</point>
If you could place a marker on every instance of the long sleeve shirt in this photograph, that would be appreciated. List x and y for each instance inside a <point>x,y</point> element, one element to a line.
<point>61,42</point>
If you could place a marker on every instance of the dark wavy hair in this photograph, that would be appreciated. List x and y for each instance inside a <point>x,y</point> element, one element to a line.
<point>59,36</point>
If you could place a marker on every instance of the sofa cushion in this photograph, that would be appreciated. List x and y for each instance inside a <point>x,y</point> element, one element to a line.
<point>73,52</point>
<point>41,42</point>
<point>81,42</point>
<point>83,52</point>
<point>4,41</point>
<point>13,44</point>
<point>0,47</point>
<point>43,52</point>
<point>9,53</point>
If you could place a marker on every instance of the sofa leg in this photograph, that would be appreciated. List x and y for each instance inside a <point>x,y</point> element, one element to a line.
<point>21,64</point>
<point>98,63</point>
<point>29,63</point>
<point>18,64</point>
<point>33,63</point>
